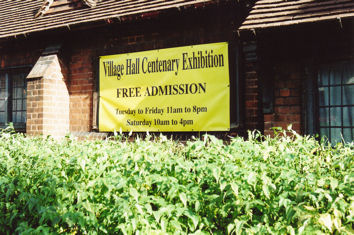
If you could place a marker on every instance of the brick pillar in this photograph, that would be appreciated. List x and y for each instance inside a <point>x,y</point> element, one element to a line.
<point>47,99</point>
<point>253,112</point>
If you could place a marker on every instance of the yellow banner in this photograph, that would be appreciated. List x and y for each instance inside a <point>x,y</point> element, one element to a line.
<point>175,89</point>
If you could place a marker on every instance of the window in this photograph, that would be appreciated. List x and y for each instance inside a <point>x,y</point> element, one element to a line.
<point>336,101</point>
<point>13,98</point>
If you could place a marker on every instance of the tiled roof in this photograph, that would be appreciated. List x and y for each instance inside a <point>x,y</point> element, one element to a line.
<point>273,13</point>
<point>17,17</point>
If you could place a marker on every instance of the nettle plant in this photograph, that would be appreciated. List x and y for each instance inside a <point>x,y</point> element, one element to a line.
<point>281,185</point>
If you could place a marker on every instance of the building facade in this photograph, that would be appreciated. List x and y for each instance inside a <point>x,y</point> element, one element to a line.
<point>305,52</point>
<point>298,73</point>
<point>55,57</point>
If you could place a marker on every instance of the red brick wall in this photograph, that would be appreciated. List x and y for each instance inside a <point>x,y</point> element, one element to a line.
<point>81,88</point>
<point>16,54</point>
<point>80,50</point>
<point>268,71</point>
<point>287,100</point>
<point>252,93</point>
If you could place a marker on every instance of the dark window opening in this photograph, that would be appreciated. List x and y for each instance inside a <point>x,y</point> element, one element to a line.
<point>13,98</point>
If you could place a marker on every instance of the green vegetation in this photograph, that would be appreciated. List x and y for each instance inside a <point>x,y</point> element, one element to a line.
<point>282,185</point>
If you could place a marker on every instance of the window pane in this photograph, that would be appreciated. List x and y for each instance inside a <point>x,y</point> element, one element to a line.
<point>323,96</point>
<point>17,80</point>
<point>18,92</point>
<point>335,76</point>
<point>14,95</point>
<point>324,132</point>
<point>18,117</point>
<point>348,134</point>
<point>349,80</point>
<point>323,78</point>
<point>23,117</point>
<point>324,117</point>
<point>14,120</point>
<point>19,104</point>
<point>348,116</point>
<point>2,117</point>
<point>2,93</point>
<point>348,96</point>
<point>336,135</point>
<point>335,98</point>
<point>21,92</point>
<point>348,76</point>
<point>2,105</point>
<point>335,116</point>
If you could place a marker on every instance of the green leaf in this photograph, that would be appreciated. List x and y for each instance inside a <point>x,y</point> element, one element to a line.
<point>134,193</point>
<point>326,220</point>
<point>223,184</point>
<point>252,178</point>
<point>197,206</point>
<point>193,217</point>
<point>82,164</point>
<point>216,173</point>
<point>234,188</point>
<point>230,228</point>
<point>266,191</point>
<point>334,183</point>
<point>183,198</point>
<point>238,226</point>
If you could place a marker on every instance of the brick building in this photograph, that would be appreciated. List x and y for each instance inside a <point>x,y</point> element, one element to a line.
<point>305,65</point>
<point>55,56</point>
<point>49,65</point>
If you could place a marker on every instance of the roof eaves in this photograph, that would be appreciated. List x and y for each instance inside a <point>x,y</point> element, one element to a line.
<point>67,19</point>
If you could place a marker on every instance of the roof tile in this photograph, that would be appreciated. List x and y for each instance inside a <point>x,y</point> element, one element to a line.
<point>273,13</point>
<point>17,17</point>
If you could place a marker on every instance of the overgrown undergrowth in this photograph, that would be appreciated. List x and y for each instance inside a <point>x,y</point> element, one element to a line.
<point>281,185</point>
